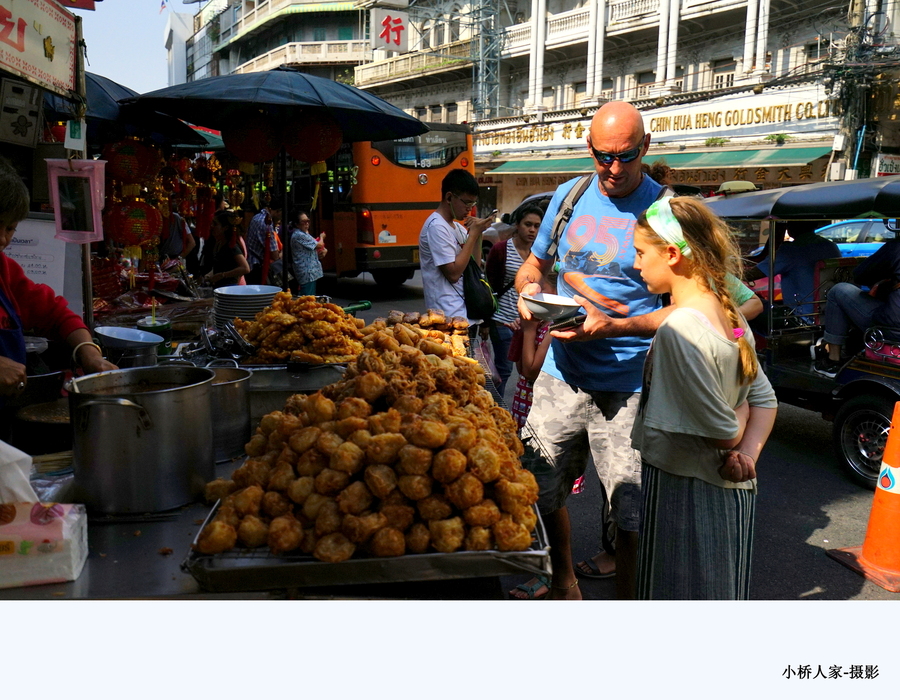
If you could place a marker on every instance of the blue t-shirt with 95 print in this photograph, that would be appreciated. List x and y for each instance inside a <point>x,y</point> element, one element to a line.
<point>596,261</point>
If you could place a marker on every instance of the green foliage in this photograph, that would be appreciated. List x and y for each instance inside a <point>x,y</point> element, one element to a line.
<point>716,141</point>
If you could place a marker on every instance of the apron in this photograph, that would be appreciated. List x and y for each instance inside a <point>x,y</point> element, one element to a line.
<point>12,340</point>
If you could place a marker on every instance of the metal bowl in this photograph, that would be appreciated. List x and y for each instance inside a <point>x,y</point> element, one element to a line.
<point>550,307</point>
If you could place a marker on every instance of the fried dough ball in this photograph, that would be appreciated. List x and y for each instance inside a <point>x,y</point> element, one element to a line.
<point>512,496</point>
<point>428,433</point>
<point>330,482</point>
<point>290,424</point>
<point>388,542</point>
<point>303,439</point>
<point>276,441</point>
<point>218,489</point>
<point>247,501</point>
<point>508,467</point>
<point>483,461</point>
<point>396,498</point>
<point>479,539</point>
<point>311,463</point>
<point>407,403</point>
<point>301,488</point>
<point>253,472</point>
<point>253,532</point>
<point>483,514</point>
<point>275,504</point>
<point>447,535</point>
<point>449,465</point>
<point>359,528</point>
<point>308,542</point>
<point>354,407</point>
<point>286,456</point>
<point>384,448</point>
<point>334,548</point>
<point>355,498</point>
<point>328,519</point>
<point>348,458</point>
<point>414,461</point>
<point>526,478</point>
<point>257,446</point>
<point>270,422</point>
<point>399,517</point>
<point>380,479</point>
<point>435,507</point>
<point>415,487</point>
<point>281,477</point>
<point>216,537</point>
<point>285,534</point>
<point>228,514</point>
<point>319,408</point>
<point>418,539</point>
<point>527,518</point>
<point>328,442</point>
<point>370,386</point>
<point>385,422</point>
<point>312,504</point>
<point>361,438</point>
<point>462,436</point>
<point>345,427</point>
<point>465,492</point>
<point>510,536</point>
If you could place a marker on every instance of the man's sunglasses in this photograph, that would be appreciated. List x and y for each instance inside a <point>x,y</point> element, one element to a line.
<point>623,157</point>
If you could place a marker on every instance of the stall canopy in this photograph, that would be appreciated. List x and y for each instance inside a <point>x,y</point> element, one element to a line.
<point>770,157</point>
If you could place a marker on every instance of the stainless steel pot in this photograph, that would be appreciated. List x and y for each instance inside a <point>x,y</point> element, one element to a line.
<point>142,437</point>
<point>230,397</point>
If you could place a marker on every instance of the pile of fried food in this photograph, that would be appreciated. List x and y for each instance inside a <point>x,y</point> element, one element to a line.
<point>409,328</point>
<point>302,330</point>
<point>407,454</point>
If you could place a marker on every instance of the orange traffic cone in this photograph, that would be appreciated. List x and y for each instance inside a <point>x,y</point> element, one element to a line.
<point>879,557</point>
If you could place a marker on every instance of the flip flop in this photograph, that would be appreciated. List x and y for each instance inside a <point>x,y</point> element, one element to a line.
<point>589,569</point>
<point>531,591</point>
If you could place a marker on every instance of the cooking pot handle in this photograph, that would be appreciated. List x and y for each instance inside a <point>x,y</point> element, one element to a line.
<point>222,362</point>
<point>143,416</point>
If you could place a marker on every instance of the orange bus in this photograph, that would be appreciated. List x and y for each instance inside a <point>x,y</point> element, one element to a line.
<point>378,197</point>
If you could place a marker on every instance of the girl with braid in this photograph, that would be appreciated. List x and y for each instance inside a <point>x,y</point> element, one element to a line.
<point>706,411</point>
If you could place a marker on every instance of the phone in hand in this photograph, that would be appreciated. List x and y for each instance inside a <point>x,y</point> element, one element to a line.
<point>569,323</point>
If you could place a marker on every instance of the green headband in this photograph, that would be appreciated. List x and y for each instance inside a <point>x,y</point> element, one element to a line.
<point>661,219</point>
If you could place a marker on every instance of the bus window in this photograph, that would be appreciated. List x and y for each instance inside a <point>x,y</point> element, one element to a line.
<point>435,149</point>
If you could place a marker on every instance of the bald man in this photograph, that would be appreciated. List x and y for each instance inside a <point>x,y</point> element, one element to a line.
<point>587,394</point>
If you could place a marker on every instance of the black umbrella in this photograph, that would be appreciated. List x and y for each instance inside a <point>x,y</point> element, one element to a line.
<point>107,120</point>
<point>876,197</point>
<point>284,94</point>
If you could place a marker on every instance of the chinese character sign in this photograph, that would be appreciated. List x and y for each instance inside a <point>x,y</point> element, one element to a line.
<point>37,42</point>
<point>389,29</point>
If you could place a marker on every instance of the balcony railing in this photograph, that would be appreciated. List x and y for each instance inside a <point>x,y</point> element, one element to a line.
<point>317,52</point>
<point>568,23</point>
<point>631,9</point>
<point>442,58</point>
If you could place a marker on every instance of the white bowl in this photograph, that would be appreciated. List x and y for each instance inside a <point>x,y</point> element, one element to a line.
<point>244,290</point>
<point>119,337</point>
<point>551,307</point>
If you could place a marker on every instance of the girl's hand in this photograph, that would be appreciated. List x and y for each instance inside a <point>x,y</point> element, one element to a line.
<point>514,326</point>
<point>738,467</point>
<point>530,289</point>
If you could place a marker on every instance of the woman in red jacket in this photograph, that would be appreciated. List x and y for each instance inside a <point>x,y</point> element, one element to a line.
<point>25,305</point>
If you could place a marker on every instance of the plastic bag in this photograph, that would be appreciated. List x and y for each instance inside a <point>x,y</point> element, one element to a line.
<point>15,475</point>
<point>484,353</point>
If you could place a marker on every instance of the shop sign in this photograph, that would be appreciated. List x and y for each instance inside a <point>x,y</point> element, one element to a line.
<point>885,164</point>
<point>37,42</point>
<point>390,30</point>
<point>764,177</point>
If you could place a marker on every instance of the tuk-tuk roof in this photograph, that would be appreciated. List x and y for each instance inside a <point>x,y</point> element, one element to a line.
<point>871,198</point>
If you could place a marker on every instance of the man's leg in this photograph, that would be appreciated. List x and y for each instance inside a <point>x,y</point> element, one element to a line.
<point>559,533</point>
<point>846,306</point>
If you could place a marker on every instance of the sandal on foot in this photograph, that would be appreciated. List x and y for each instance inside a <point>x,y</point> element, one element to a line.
<point>531,591</point>
<point>589,569</point>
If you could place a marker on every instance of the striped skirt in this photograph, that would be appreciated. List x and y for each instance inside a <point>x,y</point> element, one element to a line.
<point>696,539</point>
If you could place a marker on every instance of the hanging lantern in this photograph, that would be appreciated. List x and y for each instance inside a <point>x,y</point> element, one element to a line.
<point>132,161</point>
<point>133,222</point>
<point>254,139</point>
<point>313,139</point>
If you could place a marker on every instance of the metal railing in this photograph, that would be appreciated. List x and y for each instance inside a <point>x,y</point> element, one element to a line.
<point>324,52</point>
<point>450,56</point>
<point>629,9</point>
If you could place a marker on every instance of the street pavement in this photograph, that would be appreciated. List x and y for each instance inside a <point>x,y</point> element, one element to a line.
<point>806,504</point>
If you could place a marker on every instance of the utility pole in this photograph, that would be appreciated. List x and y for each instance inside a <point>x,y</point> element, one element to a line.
<point>486,47</point>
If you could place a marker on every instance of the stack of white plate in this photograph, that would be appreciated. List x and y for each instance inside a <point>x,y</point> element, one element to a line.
<point>241,301</point>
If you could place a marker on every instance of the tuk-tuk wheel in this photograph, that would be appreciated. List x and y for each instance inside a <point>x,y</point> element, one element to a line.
<point>860,434</point>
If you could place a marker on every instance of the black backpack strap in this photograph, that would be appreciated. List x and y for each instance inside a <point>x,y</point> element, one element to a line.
<point>564,213</point>
<point>666,191</point>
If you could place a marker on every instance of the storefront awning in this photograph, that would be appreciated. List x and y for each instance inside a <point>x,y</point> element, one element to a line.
<point>772,157</point>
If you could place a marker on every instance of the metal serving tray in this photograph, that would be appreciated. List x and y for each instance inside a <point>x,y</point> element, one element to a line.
<point>272,385</point>
<point>259,569</point>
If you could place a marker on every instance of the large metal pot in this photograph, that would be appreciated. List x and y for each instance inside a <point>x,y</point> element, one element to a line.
<point>230,409</point>
<point>142,437</point>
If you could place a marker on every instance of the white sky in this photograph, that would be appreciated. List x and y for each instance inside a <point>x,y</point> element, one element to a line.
<point>125,41</point>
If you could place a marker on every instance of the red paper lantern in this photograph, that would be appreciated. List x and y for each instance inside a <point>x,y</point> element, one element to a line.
<point>133,222</point>
<point>131,161</point>
<point>314,139</point>
<point>254,139</point>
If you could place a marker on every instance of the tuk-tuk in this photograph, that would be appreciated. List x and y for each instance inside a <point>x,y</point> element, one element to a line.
<point>861,397</point>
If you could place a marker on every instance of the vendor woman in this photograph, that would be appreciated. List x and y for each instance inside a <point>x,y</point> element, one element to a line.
<point>26,305</point>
